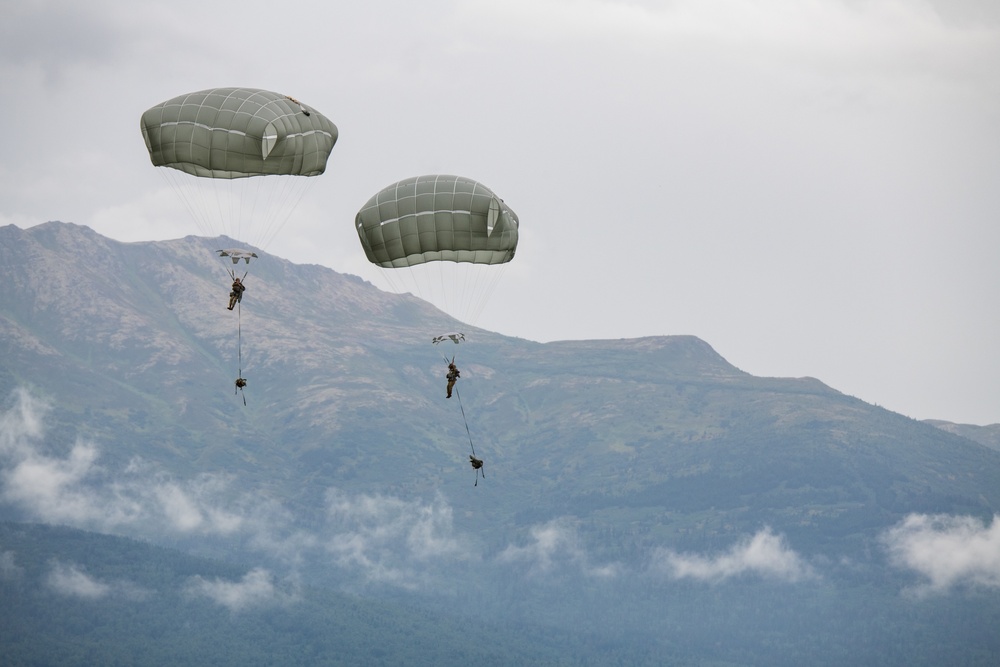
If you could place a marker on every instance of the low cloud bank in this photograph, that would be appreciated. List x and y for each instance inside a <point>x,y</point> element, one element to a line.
<point>386,540</point>
<point>390,540</point>
<point>555,546</point>
<point>947,551</point>
<point>380,538</point>
<point>71,580</point>
<point>764,554</point>
<point>257,588</point>
<point>9,569</point>
<point>372,537</point>
<point>75,489</point>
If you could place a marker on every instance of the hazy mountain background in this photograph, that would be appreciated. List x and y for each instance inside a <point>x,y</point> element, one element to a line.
<point>644,500</point>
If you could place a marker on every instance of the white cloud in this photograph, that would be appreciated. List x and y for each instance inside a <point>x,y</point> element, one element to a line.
<point>765,554</point>
<point>21,423</point>
<point>385,536</point>
<point>179,508</point>
<point>194,506</point>
<point>553,546</point>
<point>52,487</point>
<point>257,588</point>
<point>9,569</point>
<point>947,550</point>
<point>71,581</point>
<point>74,489</point>
<point>272,531</point>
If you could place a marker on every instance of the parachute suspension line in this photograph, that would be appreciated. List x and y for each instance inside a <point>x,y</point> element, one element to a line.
<point>205,202</point>
<point>191,197</point>
<point>461,290</point>
<point>221,199</point>
<point>395,279</point>
<point>232,274</point>
<point>298,189</point>
<point>420,280</point>
<point>485,283</point>
<point>243,195</point>
<point>250,210</point>
<point>260,206</point>
<point>443,288</point>
<point>232,224</point>
<point>273,203</point>
<point>475,284</point>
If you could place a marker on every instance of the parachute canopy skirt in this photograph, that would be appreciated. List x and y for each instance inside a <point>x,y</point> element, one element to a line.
<point>237,133</point>
<point>437,218</point>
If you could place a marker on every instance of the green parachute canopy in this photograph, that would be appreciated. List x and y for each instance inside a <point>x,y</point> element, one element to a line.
<point>238,133</point>
<point>210,144</point>
<point>437,218</point>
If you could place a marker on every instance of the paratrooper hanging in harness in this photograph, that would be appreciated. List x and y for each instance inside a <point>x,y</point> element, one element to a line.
<point>452,376</point>
<point>240,159</point>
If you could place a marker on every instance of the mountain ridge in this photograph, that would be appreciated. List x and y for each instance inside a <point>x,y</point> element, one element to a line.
<point>333,363</point>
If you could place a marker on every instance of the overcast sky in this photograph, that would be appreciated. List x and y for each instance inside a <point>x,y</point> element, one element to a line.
<point>810,186</point>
